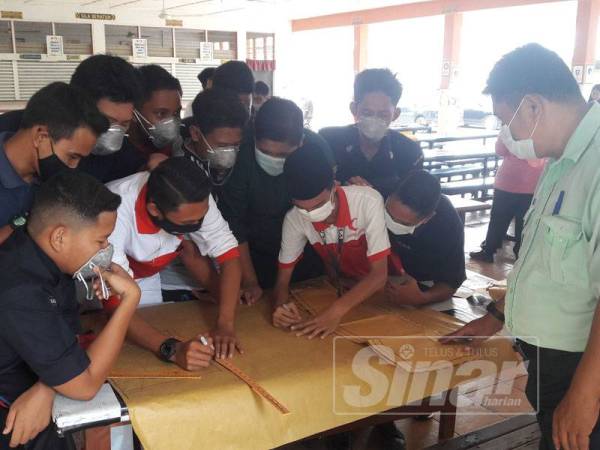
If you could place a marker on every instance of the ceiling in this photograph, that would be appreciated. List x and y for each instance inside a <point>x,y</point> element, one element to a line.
<point>291,8</point>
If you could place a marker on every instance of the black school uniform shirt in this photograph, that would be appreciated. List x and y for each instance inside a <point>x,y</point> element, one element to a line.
<point>39,320</point>
<point>104,168</point>
<point>397,155</point>
<point>435,251</point>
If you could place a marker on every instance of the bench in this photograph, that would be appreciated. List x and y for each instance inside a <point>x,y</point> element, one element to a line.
<point>447,174</point>
<point>477,187</point>
<point>465,205</point>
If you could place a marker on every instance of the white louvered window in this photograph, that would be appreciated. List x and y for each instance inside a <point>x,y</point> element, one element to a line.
<point>118,39</point>
<point>160,41</point>
<point>77,37</point>
<point>7,81</point>
<point>187,42</point>
<point>34,75</point>
<point>187,74</point>
<point>6,44</point>
<point>30,37</point>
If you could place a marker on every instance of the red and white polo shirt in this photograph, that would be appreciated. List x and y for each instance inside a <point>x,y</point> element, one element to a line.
<point>143,249</point>
<point>360,215</point>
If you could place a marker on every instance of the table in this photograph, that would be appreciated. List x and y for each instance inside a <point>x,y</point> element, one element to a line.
<point>465,205</point>
<point>431,142</point>
<point>219,389</point>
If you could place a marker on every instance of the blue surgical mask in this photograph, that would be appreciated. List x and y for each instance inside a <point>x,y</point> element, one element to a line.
<point>270,164</point>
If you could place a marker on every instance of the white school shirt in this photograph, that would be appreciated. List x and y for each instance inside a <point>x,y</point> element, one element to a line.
<point>143,249</point>
<point>360,216</point>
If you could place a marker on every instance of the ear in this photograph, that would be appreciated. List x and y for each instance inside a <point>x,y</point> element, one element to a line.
<point>397,112</point>
<point>533,106</point>
<point>39,134</point>
<point>353,109</point>
<point>195,133</point>
<point>58,239</point>
<point>153,210</point>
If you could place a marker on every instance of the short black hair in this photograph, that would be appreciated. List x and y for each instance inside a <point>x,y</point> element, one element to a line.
<point>532,69</point>
<point>307,172</point>
<point>109,77</point>
<point>71,194</point>
<point>377,80</point>
<point>63,108</point>
<point>596,87</point>
<point>420,191</point>
<point>261,88</point>
<point>176,181</point>
<point>205,75</point>
<point>155,78</point>
<point>234,75</point>
<point>279,120</point>
<point>217,108</point>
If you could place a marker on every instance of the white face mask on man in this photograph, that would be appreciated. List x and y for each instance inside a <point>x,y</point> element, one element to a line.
<point>319,214</point>
<point>398,228</point>
<point>523,148</point>
<point>373,128</point>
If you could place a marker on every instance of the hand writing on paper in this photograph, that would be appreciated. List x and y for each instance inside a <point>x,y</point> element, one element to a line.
<point>575,418</point>
<point>192,355</point>
<point>251,294</point>
<point>358,181</point>
<point>286,315</point>
<point>406,292</point>
<point>29,414</point>
<point>225,341</point>
<point>322,325</point>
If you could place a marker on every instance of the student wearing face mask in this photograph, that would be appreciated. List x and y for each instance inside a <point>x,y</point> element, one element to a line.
<point>59,128</point>
<point>514,186</point>
<point>72,216</point>
<point>345,226</point>
<point>260,96</point>
<point>551,302</point>
<point>215,133</point>
<point>113,84</point>
<point>164,211</point>
<point>427,238</point>
<point>255,199</point>
<point>156,128</point>
<point>368,153</point>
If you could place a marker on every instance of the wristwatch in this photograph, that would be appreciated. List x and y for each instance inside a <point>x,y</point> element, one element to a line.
<point>168,348</point>
<point>495,312</point>
<point>18,222</point>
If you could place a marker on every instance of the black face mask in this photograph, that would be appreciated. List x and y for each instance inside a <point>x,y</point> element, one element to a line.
<point>173,228</point>
<point>218,176</point>
<point>51,165</point>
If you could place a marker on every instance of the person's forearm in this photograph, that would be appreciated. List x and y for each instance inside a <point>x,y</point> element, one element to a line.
<point>105,349</point>
<point>230,280</point>
<point>200,268</point>
<point>248,273</point>
<point>145,335</point>
<point>439,292</point>
<point>366,287</point>
<point>5,233</point>
<point>281,291</point>
<point>586,376</point>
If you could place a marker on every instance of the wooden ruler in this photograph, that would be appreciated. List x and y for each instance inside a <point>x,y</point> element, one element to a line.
<point>253,384</point>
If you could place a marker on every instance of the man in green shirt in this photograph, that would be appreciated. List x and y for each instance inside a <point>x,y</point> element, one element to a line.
<point>551,304</point>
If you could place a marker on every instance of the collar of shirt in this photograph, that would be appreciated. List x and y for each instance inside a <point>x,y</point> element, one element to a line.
<point>584,133</point>
<point>343,217</point>
<point>383,147</point>
<point>38,261</point>
<point>142,218</point>
<point>9,178</point>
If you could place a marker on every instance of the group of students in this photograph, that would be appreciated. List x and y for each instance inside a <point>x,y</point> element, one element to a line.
<point>107,194</point>
<point>237,198</point>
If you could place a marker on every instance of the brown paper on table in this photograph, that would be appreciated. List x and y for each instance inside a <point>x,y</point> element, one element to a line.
<point>218,411</point>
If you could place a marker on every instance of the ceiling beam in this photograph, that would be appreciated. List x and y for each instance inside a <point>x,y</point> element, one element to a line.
<point>405,11</point>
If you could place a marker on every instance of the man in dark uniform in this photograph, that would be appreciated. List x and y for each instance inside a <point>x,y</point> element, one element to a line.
<point>40,354</point>
<point>368,152</point>
<point>427,238</point>
<point>255,199</point>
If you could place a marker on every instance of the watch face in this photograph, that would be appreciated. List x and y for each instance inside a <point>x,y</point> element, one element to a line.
<point>19,221</point>
<point>168,348</point>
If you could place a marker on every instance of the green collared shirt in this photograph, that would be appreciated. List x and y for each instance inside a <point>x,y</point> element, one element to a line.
<point>554,287</point>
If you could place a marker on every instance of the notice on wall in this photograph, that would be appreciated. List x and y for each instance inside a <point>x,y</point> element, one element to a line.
<point>94,16</point>
<point>54,45</point>
<point>11,14</point>
<point>589,74</point>
<point>446,68</point>
<point>578,73</point>
<point>140,48</point>
<point>206,51</point>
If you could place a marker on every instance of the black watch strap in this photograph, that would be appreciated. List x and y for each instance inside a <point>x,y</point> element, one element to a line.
<point>495,312</point>
<point>168,348</point>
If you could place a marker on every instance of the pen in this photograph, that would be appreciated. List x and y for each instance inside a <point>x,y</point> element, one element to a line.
<point>558,203</point>
<point>203,340</point>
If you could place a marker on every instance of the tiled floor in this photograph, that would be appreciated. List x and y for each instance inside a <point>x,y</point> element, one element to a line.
<point>474,408</point>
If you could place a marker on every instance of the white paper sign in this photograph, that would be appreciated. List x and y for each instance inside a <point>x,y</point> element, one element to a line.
<point>140,48</point>
<point>54,45</point>
<point>589,73</point>
<point>578,73</point>
<point>206,51</point>
<point>446,69</point>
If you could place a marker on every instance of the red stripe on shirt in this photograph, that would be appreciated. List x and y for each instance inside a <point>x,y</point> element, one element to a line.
<point>228,255</point>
